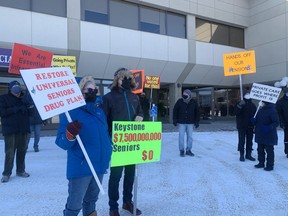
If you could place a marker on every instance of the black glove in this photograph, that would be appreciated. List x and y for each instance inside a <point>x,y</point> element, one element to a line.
<point>23,109</point>
<point>241,104</point>
<point>175,123</point>
<point>282,125</point>
<point>196,124</point>
<point>73,129</point>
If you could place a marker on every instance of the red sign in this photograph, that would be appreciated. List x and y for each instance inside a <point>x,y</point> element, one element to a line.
<point>25,57</point>
<point>139,79</point>
<point>152,82</point>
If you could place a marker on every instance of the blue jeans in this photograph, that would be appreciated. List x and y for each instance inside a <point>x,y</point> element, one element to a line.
<point>83,194</point>
<point>36,128</point>
<point>188,129</point>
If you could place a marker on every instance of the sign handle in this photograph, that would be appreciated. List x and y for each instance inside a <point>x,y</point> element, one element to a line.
<point>259,105</point>
<point>87,157</point>
<point>241,89</point>
<point>135,191</point>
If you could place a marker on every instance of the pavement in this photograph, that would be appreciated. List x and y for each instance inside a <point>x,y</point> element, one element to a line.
<point>204,126</point>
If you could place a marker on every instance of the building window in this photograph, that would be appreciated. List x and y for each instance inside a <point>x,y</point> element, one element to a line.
<point>217,33</point>
<point>133,16</point>
<point>18,4</point>
<point>176,25</point>
<point>95,11</point>
<point>123,14</point>
<point>51,7</point>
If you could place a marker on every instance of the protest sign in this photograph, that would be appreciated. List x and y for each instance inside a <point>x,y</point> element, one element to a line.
<point>65,61</point>
<point>239,63</point>
<point>139,79</point>
<point>136,142</point>
<point>53,90</point>
<point>265,93</point>
<point>152,82</point>
<point>25,57</point>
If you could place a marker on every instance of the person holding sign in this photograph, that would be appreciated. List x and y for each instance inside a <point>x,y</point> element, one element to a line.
<point>282,109</point>
<point>14,113</point>
<point>245,110</point>
<point>266,123</point>
<point>186,113</point>
<point>120,104</point>
<point>91,125</point>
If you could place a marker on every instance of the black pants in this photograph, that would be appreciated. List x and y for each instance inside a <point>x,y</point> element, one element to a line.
<point>113,185</point>
<point>286,140</point>
<point>15,143</point>
<point>270,154</point>
<point>245,136</point>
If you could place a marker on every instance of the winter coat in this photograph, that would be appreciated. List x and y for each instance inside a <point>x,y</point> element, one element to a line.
<point>186,113</point>
<point>121,105</point>
<point>244,114</point>
<point>282,109</point>
<point>95,138</point>
<point>14,113</point>
<point>266,125</point>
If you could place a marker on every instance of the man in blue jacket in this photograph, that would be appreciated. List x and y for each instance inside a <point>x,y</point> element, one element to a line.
<point>14,113</point>
<point>90,123</point>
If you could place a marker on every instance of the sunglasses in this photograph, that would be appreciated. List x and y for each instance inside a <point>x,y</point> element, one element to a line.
<point>90,90</point>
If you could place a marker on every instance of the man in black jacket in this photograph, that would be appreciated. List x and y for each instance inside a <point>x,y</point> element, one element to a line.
<point>245,111</point>
<point>120,104</point>
<point>14,113</point>
<point>186,113</point>
<point>282,109</point>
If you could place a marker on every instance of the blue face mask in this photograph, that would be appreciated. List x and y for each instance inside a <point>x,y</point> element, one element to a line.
<point>16,89</point>
<point>185,96</point>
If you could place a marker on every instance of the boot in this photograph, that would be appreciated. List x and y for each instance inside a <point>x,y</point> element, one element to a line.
<point>268,168</point>
<point>129,207</point>
<point>259,165</point>
<point>114,213</point>
<point>249,157</point>
<point>242,157</point>
<point>182,153</point>
<point>94,213</point>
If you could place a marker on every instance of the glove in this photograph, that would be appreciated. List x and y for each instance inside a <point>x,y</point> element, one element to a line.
<point>260,104</point>
<point>175,123</point>
<point>196,125</point>
<point>23,109</point>
<point>253,120</point>
<point>282,125</point>
<point>241,104</point>
<point>265,128</point>
<point>72,130</point>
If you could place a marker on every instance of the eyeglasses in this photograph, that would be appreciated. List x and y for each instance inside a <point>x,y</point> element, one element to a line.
<point>119,70</point>
<point>90,90</point>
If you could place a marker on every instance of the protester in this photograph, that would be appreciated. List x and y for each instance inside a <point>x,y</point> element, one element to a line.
<point>266,137</point>
<point>36,123</point>
<point>185,114</point>
<point>14,113</point>
<point>90,123</point>
<point>282,109</point>
<point>120,104</point>
<point>145,106</point>
<point>245,110</point>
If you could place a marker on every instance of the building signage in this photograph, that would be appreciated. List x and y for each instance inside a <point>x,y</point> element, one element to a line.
<point>5,57</point>
<point>239,63</point>
<point>25,57</point>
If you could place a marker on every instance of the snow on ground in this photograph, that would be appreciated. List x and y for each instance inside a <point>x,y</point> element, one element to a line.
<point>214,182</point>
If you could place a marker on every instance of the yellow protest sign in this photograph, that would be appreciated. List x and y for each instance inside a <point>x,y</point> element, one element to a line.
<point>239,63</point>
<point>136,142</point>
<point>152,82</point>
<point>65,61</point>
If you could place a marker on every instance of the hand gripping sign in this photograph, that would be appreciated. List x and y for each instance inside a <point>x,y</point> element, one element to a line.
<point>55,91</point>
<point>264,93</point>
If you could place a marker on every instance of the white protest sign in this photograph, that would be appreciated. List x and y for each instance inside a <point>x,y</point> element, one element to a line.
<point>53,90</point>
<point>265,93</point>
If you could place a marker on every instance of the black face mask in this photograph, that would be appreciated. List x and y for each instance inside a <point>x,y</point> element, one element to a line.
<point>126,83</point>
<point>91,95</point>
<point>185,96</point>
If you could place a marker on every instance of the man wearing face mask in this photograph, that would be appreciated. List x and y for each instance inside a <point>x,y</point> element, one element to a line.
<point>120,104</point>
<point>14,113</point>
<point>282,109</point>
<point>245,111</point>
<point>89,121</point>
<point>185,114</point>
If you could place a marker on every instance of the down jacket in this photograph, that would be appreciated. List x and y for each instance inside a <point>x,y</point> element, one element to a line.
<point>95,138</point>
<point>266,125</point>
<point>186,113</point>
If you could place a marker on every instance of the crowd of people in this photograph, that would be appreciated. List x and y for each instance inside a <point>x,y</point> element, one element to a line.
<point>93,123</point>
